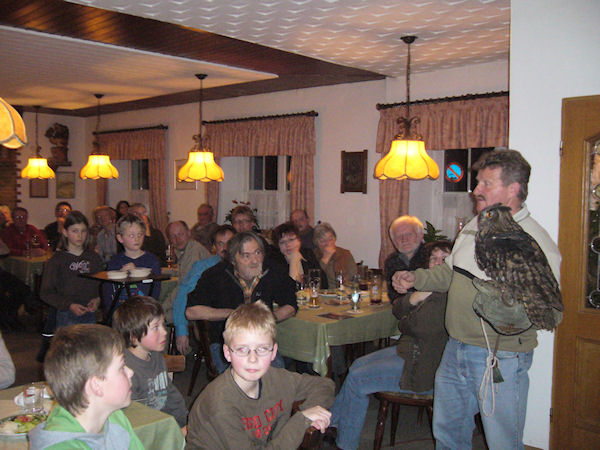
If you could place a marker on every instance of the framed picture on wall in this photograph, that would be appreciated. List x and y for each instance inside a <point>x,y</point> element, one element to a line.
<point>354,172</point>
<point>183,185</point>
<point>38,188</point>
<point>65,184</point>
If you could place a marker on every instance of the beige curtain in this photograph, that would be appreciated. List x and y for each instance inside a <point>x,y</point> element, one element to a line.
<point>293,135</point>
<point>150,144</point>
<point>478,122</point>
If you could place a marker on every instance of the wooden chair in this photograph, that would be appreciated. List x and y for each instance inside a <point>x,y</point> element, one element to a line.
<point>313,438</point>
<point>423,401</point>
<point>200,330</point>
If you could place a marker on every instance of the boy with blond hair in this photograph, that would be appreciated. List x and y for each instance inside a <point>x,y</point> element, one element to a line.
<point>250,404</point>
<point>86,371</point>
<point>131,231</point>
<point>141,323</point>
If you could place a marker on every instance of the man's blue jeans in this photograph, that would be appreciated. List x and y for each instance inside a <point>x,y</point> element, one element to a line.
<point>377,371</point>
<point>457,399</point>
<point>216,350</point>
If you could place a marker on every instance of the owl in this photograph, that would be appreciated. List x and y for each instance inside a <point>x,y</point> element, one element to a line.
<point>514,260</point>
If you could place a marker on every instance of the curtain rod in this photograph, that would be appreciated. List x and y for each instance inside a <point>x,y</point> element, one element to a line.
<point>126,130</point>
<point>277,116</point>
<point>381,106</point>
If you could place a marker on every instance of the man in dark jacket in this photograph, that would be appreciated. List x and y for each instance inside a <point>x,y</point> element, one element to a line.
<point>406,233</point>
<point>244,277</point>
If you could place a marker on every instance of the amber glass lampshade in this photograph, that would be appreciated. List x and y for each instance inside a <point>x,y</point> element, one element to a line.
<point>37,167</point>
<point>200,166</point>
<point>98,166</point>
<point>12,128</point>
<point>407,160</point>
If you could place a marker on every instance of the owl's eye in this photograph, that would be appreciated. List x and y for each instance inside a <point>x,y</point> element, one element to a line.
<point>488,214</point>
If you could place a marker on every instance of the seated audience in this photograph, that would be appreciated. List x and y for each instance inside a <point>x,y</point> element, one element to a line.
<point>299,260</point>
<point>245,277</point>
<point>141,322</point>
<point>251,404</point>
<point>154,242</point>
<point>188,251</point>
<point>410,367</point>
<point>5,217</point>
<point>220,238</point>
<point>21,237</point>
<point>331,257</point>
<point>299,217</point>
<point>406,233</point>
<point>122,208</point>
<point>85,368</point>
<point>75,298</point>
<point>7,367</point>
<point>206,226</point>
<point>106,236</point>
<point>54,230</point>
<point>130,233</point>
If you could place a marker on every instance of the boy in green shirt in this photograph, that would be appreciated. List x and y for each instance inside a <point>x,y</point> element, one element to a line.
<point>85,368</point>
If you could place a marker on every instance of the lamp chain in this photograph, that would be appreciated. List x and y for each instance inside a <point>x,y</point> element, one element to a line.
<point>408,84</point>
<point>37,147</point>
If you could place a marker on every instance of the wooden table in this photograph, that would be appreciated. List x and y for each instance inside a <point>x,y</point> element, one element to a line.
<point>123,283</point>
<point>155,429</point>
<point>308,335</point>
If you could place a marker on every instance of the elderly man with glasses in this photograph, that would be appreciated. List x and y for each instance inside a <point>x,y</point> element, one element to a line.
<point>21,237</point>
<point>243,277</point>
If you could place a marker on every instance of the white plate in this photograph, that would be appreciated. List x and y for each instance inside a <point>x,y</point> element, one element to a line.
<point>116,275</point>
<point>140,272</point>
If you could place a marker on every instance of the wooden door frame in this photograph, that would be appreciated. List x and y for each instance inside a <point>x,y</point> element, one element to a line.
<point>573,226</point>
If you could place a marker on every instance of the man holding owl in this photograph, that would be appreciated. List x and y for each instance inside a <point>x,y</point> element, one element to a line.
<point>464,383</point>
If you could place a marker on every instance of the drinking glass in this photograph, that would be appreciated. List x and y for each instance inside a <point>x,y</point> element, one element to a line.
<point>315,286</point>
<point>355,293</point>
<point>302,293</point>
<point>33,399</point>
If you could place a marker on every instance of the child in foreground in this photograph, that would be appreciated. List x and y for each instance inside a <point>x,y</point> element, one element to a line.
<point>141,322</point>
<point>86,371</point>
<point>250,404</point>
<point>130,233</point>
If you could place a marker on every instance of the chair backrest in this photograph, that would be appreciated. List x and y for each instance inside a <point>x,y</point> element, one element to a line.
<point>175,363</point>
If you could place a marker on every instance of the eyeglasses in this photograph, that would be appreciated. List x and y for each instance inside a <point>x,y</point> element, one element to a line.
<point>287,241</point>
<point>401,237</point>
<point>247,255</point>
<point>243,220</point>
<point>244,351</point>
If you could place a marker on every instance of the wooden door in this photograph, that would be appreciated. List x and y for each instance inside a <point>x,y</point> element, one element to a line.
<point>576,379</point>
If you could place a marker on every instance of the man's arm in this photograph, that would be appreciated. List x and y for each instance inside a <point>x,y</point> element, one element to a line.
<point>284,312</point>
<point>200,312</point>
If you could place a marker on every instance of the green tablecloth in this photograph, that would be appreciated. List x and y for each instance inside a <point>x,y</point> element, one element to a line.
<point>25,269</point>
<point>155,429</point>
<point>308,335</point>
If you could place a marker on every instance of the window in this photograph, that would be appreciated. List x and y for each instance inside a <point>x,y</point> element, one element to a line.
<point>139,174</point>
<point>269,188</point>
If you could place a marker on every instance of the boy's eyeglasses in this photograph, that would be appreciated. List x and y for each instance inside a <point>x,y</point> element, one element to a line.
<point>244,351</point>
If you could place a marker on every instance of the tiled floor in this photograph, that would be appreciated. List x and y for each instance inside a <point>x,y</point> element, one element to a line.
<point>24,345</point>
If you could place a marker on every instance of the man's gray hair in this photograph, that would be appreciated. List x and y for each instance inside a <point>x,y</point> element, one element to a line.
<point>236,243</point>
<point>411,220</point>
<point>515,168</point>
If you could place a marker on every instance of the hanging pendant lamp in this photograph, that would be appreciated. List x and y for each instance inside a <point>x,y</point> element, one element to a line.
<point>98,165</point>
<point>37,167</point>
<point>201,164</point>
<point>407,158</point>
<point>12,127</point>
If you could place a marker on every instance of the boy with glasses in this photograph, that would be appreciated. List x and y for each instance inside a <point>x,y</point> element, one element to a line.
<point>250,405</point>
